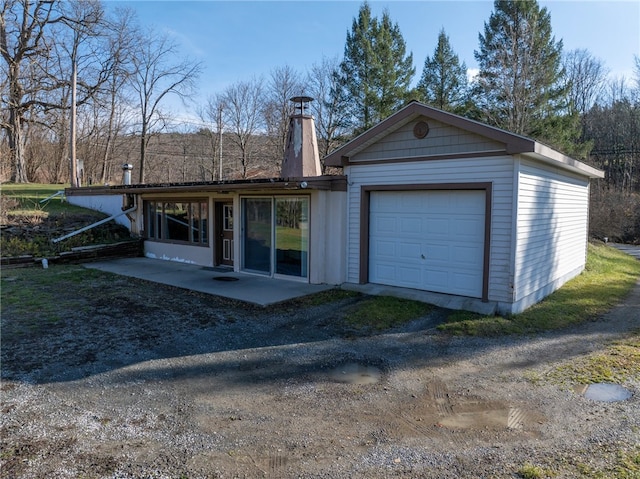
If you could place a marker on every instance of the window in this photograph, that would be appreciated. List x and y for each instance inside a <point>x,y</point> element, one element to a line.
<point>228,217</point>
<point>178,221</point>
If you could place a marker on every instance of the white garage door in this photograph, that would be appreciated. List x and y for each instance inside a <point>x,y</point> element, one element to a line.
<point>430,240</point>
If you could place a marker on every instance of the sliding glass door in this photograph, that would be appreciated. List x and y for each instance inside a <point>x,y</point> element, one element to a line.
<point>276,235</point>
<point>257,213</point>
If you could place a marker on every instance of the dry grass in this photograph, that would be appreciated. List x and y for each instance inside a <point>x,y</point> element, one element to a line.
<point>608,277</point>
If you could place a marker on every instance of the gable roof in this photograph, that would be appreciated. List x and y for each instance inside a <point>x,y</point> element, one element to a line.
<point>514,144</point>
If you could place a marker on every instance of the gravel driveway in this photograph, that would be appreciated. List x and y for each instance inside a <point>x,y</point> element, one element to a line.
<point>164,383</point>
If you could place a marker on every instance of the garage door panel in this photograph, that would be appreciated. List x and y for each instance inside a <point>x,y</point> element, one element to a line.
<point>384,249</point>
<point>384,224</point>
<point>391,273</point>
<point>409,250</point>
<point>466,283</point>
<point>409,202</point>
<point>466,257</point>
<point>437,202</point>
<point>410,275</point>
<point>386,272</point>
<point>468,227</point>
<point>437,252</point>
<point>436,225</point>
<point>438,244</point>
<point>410,225</point>
<point>386,205</point>
<point>433,279</point>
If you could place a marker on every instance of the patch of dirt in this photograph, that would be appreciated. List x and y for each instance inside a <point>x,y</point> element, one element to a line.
<point>35,227</point>
<point>140,380</point>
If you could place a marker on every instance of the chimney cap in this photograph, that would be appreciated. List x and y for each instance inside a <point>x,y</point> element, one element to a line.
<point>300,102</point>
<point>301,99</point>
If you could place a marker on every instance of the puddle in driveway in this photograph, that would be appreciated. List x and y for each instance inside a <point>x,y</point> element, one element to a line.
<point>354,373</point>
<point>604,392</point>
<point>511,418</point>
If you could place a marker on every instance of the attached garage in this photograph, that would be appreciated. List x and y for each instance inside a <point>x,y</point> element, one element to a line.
<point>440,203</point>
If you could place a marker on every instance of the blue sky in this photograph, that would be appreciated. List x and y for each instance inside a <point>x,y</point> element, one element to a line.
<point>237,40</point>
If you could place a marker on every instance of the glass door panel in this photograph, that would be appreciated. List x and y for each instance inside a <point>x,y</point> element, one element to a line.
<point>292,236</point>
<point>257,234</point>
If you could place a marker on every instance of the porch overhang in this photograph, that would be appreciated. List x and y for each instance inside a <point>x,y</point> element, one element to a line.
<point>325,183</point>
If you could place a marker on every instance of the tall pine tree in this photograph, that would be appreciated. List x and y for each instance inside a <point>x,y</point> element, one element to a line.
<point>376,70</point>
<point>520,84</point>
<point>444,79</point>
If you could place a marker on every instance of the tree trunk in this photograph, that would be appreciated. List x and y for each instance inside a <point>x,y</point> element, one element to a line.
<point>16,146</point>
<point>107,148</point>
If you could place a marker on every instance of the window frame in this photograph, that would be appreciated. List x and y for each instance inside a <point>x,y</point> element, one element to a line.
<point>273,273</point>
<point>157,220</point>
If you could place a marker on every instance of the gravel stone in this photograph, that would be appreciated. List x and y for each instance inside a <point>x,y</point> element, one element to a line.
<point>171,384</point>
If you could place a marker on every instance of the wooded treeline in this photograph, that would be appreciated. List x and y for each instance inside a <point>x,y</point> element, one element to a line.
<point>126,73</point>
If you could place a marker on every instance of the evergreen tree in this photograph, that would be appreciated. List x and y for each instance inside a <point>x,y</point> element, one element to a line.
<point>444,80</point>
<point>376,71</point>
<point>520,84</point>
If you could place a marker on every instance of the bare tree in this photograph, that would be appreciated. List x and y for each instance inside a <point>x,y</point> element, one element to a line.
<point>586,78</point>
<point>616,89</point>
<point>613,125</point>
<point>41,42</point>
<point>23,44</point>
<point>636,71</point>
<point>242,114</point>
<point>55,119</point>
<point>121,35</point>
<point>86,17</point>
<point>330,105</point>
<point>284,83</point>
<point>156,76</point>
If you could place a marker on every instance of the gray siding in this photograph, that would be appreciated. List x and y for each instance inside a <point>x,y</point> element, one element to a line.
<point>552,224</point>
<point>498,170</point>
<point>441,140</point>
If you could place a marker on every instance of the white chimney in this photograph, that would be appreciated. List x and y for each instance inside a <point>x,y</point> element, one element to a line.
<point>126,173</point>
<point>301,157</point>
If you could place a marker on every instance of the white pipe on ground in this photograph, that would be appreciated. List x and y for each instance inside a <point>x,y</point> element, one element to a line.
<point>98,223</point>
<point>53,196</point>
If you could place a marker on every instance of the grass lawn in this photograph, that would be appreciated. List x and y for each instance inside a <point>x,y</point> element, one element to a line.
<point>378,313</point>
<point>34,218</point>
<point>609,276</point>
<point>30,196</point>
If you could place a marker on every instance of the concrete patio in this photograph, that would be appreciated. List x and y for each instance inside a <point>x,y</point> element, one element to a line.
<point>250,288</point>
<point>262,290</point>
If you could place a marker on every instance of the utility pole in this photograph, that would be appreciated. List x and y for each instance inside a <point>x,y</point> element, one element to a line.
<point>220,140</point>
<point>184,163</point>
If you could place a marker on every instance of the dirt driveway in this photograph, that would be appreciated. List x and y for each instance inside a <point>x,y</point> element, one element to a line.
<point>145,381</point>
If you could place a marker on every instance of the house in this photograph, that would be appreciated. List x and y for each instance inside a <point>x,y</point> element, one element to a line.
<point>429,201</point>
<point>441,203</point>
<point>290,227</point>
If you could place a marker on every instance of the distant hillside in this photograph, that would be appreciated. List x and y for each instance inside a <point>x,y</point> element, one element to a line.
<point>176,157</point>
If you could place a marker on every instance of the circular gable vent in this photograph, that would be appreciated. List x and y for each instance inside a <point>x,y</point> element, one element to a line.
<point>421,129</point>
